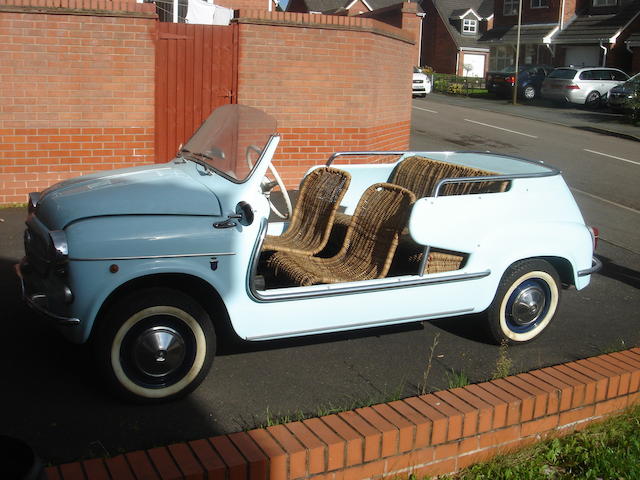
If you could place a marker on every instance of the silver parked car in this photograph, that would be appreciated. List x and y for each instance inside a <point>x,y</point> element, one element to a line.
<point>585,85</point>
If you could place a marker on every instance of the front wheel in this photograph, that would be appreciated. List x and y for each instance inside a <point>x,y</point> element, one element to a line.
<point>529,92</point>
<point>526,300</point>
<point>155,345</point>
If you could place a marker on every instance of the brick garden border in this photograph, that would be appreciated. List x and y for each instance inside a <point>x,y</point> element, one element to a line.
<point>426,435</point>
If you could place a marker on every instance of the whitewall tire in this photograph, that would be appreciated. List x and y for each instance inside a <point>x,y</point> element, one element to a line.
<point>525,303</point>
<point>155,345</point>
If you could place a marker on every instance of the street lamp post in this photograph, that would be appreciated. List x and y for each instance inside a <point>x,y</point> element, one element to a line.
<point>515,77</point>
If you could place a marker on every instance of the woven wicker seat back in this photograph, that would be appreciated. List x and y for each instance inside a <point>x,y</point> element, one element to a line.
<point>421,175</point>
<point>314,213</point>
<point>369,244</point>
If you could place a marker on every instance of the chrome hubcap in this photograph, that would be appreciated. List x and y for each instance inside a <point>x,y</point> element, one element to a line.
<point>528,305</point>
<point>159,351</point>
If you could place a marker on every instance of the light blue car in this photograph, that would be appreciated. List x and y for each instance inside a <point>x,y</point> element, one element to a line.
<point>152,263</point>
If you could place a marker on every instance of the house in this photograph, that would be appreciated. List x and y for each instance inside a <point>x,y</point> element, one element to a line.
<point>339,7</point>
<point>451,33</point>
<point>564,32</point>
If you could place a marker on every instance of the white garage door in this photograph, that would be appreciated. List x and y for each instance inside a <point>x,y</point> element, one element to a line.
<point>473,65</point>
<point>582,56</point>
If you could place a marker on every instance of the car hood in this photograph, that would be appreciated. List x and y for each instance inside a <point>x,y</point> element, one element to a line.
<point>167,189</point>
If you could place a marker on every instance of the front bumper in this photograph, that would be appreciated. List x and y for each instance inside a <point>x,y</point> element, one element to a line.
<point>38,299</point>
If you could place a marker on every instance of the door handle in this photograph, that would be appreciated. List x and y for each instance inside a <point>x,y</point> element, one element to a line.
<point>225,224</point>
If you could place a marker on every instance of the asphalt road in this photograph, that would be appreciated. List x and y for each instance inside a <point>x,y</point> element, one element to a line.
<point>54,401</point>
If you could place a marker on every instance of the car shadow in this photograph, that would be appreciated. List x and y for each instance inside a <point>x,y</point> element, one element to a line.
<point>612,270</point>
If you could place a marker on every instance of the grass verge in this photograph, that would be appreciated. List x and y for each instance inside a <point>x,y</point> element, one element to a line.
<point>608,450</point>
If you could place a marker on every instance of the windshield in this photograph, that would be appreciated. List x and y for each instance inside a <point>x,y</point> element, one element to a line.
<point>231,140</point>
<point>633,82</point>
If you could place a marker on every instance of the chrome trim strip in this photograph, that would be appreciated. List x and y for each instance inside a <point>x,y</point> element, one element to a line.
<point>252,271</point>
<point>390,284</point>
<point>552,170</point>
<point>596,265</point>
<point>492,178</point>
<point>150,257</point>
<point>30,299</point>
<point>362,324</point>
<point>340,154</point>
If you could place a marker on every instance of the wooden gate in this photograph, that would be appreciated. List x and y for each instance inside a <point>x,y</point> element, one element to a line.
<point>196,72</point>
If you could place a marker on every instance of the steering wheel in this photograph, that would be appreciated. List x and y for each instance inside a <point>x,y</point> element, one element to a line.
<point>267,185</point>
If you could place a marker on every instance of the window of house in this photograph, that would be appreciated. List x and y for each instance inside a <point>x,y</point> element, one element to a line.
<point>501,57</point>
<point>539,3</point>
<point>510,7</point>
<point>605,3</point>
<point>469,26</point>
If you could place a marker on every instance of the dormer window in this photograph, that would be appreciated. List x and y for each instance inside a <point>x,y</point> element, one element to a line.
<point>539,3</point>
<point>469,27</point>
<point>605,3</point>
<point>510,7</point>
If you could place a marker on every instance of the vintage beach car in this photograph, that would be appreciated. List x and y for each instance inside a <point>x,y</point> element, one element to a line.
<point>152,265</point>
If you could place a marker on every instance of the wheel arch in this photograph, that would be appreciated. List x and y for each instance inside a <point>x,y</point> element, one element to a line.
<point>563,267</point>
<point>200,290</point>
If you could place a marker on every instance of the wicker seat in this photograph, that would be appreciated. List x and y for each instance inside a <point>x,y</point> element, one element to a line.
<point>314,213</point>
<point>369,245</point>
<point>420,175</point>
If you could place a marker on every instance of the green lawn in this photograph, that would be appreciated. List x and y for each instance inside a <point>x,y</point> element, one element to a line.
<point>609,450</point>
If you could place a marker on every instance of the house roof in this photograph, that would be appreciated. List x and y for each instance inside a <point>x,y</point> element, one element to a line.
<point>532,34</point>
<point>452,9</point>
<point>596,28</point>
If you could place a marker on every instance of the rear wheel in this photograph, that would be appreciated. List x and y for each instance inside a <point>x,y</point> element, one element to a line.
<point>593,99</point>
<point>525,303</point>
<point>155,345</point>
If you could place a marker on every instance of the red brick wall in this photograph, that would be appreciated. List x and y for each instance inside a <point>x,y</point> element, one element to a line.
<point>434,434</point>
<point>438,48</point>
<point>76,94</point>
<point>343,84</point>
<point>530,15</point>
<point>635,61</point>
<point>244,4</point>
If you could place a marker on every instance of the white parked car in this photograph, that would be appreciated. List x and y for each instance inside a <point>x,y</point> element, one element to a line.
<point>585,86</point>
<point>153,263</point>
<point>421,83</point>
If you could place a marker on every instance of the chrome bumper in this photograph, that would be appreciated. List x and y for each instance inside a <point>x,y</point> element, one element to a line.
<point>596,265</point>
<point>36,301</point>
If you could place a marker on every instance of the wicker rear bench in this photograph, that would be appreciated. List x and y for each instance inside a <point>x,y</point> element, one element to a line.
<point>420,175</point>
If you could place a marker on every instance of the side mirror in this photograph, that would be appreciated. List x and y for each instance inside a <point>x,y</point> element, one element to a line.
<point>245,213</point>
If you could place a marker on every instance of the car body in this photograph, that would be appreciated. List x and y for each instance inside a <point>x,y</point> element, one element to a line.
<point>152,263</point>
<point>583,85</point>
<point>621,96</point>
<point>530,78</point>
<point>421,84</point>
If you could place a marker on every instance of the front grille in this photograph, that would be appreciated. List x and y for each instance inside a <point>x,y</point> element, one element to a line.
<point>36,248</point>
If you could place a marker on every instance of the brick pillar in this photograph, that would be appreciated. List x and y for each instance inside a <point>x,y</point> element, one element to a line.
<point>412,23</point>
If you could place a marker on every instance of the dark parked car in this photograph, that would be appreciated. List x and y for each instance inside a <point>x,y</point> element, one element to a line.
<point>621,96</point>
<point>530,79</point>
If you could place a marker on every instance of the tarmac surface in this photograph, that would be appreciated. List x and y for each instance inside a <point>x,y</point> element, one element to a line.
<point>598,120</point>
<point>55,402</point>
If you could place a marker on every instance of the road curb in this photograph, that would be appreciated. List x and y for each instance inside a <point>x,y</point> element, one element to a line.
<point>428,435</point>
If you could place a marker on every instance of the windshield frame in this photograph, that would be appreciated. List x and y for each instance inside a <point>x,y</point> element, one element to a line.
<point>217,145</point>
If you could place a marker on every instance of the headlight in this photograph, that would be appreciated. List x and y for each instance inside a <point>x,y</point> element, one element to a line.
<point>33,202</point>
<point>59,249</point>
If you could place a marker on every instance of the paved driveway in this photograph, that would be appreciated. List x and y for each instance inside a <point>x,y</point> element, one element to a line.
<point>53,399</point>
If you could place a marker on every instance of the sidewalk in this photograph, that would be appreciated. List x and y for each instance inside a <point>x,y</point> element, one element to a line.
<point>595,120</point>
